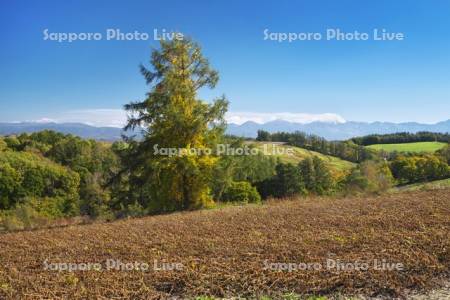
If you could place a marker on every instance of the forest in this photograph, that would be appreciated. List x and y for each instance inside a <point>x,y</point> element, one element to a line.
<point>49,175</point>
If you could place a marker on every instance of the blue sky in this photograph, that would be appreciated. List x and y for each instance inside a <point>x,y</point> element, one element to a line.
<point>90,81</point>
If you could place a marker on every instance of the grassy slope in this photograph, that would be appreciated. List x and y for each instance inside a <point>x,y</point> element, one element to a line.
<point>300,154</point>
<point>437,184</point>
<point>223,251</point>
<point>409,147</point>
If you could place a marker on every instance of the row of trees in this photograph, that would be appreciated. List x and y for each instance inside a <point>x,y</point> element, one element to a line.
<point>346,150</point>
<point>310,176</point>
<point>402,137</point>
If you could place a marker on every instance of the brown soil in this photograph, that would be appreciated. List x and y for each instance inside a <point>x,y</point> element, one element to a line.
<point>224,252</point>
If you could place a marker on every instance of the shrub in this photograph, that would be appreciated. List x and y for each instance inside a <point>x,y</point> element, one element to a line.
<point>23,216</point>
<point>48,207</point>
<point>3,145</point>
<point>12,142</point>
<point>241,191</point>
<point>10,223</point>
<point>370,176</point>
<point>132,210</point>
<point>445,153</point>
<point>355,182</point>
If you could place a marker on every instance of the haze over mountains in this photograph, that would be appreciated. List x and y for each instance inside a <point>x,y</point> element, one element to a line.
<point>79,129</point>
<point>337,131</point>
<point>328,130</point>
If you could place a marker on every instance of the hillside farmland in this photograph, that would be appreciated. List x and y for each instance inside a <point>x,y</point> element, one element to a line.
<point>225,252</point>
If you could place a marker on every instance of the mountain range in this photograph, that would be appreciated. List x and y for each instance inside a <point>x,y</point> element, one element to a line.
<point>79,129</point>
<point>336,131</point>
<point>328,130</point>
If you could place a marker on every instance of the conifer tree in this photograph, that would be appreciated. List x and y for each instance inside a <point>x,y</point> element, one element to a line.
<point>173,117</point>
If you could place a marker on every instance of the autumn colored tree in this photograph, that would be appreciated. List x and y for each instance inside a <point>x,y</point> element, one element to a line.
<point>369,176</point>
<point>172,117</point>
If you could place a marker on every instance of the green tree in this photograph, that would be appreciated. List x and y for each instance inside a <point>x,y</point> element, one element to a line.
<point>10,181</point>
<point>286,182</point>
<point>173,117</point>
<point>324,183</point>
<point>263,136</point>
<point>250,168</point>
<point>307,173</point>
<point>418,168</point>
<point>404,168</point>
<point>316,176</point>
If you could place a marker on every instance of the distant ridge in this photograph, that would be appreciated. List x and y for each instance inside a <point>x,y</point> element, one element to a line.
<point>79,129</point>
<point>337,131</point>
<point>328,130</point>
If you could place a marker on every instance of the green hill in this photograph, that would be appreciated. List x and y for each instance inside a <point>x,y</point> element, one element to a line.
<point>409,147</point>
<point>298,154</point>
<point>433,185</point>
